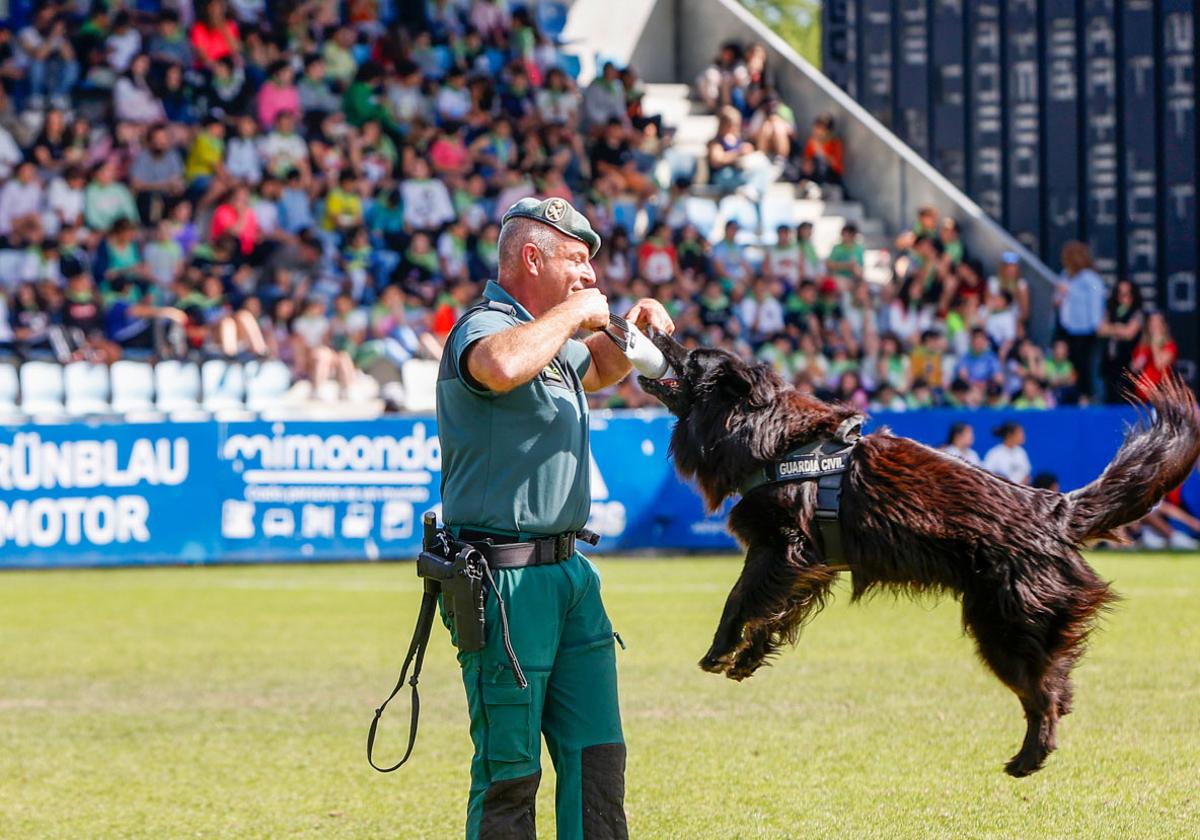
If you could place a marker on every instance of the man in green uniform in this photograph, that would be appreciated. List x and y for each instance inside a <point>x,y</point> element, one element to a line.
<point>513,421</point>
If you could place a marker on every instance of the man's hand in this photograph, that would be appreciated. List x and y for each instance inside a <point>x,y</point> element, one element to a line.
<point>648,312</point>
<point>591,308</point>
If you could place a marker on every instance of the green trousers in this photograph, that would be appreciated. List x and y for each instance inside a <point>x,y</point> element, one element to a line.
<point>564,643</point>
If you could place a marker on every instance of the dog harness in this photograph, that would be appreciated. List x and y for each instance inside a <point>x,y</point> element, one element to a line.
<point>822,461</point>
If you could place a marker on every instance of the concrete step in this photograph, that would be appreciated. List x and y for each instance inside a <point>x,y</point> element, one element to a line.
<point>665,90</point>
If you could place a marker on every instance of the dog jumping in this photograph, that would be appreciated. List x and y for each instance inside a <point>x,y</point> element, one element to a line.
<point>911,519</point>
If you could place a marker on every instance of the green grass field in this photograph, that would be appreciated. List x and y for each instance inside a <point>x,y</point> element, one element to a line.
<point>234,702</point>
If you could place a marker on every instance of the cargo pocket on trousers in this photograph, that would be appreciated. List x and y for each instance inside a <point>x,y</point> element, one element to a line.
<point>510,730</point>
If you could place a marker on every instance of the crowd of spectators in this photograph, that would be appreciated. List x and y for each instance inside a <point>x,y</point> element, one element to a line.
<point>312,182</point>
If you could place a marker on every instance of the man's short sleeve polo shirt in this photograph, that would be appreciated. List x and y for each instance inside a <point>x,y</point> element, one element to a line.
<point>518,461</point>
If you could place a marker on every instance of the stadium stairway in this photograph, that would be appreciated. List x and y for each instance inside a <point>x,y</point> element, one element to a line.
<point>784,203</point>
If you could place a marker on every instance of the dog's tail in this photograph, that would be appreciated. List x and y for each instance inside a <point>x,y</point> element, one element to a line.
<point>1153,460</point>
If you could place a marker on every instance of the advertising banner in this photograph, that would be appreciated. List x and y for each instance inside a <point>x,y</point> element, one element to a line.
<point>120,494</point>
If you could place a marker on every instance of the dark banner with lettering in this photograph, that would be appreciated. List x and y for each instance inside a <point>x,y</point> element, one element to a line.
<point>912,74</point>
<point>985,95</point>
<point>1139,165</point>
<point>1023,193</point>
<point>1101,183</point>
<point>839,54</point>
<point>1060,128</point>
<point>948,115</point>
<point>877,84</point>
<point>1177,88</point>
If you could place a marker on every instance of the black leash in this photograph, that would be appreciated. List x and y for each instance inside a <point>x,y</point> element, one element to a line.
<point>416,651</point>
<point>416,656</point>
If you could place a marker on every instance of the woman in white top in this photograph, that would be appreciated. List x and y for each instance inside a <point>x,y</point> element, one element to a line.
<point>959,442</point>
<point>1008,457</point>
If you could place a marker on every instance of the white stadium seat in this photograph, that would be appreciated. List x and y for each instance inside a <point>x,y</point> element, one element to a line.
<point>266,384</point>
<point>42,389</point>
<point>177,386</point>
<point>9,391</point>
<point>86,388</point>
<point>223,385</point>
<point>132,387</point>
<point>420,384</point>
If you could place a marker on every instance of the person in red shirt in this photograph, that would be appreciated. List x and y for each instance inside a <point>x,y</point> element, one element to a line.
<point>657,260</point>
<point>823,163</point>
<point>214,36</point>
<point>1154,355</point>
<point>235,217</point>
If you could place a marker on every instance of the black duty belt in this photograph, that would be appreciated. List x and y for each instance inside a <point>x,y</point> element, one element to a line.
<point>825,462</point>
<point>502,552</point>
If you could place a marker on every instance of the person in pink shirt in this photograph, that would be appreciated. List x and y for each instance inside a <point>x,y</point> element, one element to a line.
<point>278,94</point>
<point>448,153</point>
<point>235,217</point>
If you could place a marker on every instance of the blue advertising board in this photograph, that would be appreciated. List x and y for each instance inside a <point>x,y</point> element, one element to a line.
<point>1060,127</point>
<point>1022,97</point>
<point>1140,164</point>
<point>1177,89</point>
<point>912,74</point>
<point>985,95</point>
<point>1101,179</point>
<point>947,106</point>
<point>123,494</point>
<point>876,83</point>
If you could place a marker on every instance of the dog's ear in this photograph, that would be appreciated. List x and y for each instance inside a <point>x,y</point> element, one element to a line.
<point>754,384</point>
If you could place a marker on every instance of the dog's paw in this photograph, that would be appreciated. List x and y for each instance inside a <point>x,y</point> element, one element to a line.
<point>1021,765</point>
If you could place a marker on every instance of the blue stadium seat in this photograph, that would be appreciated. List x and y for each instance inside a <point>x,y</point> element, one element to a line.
<point>570,64</point>
<point>444,57</point>
<point>495,60</point>
<point>551,18</point>
<point>625,215</point>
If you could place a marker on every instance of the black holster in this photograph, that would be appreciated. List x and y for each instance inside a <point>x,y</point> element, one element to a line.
<point>455,569</point>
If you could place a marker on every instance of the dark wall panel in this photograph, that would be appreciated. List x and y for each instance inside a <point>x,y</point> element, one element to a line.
<point>912,74</point>
<point>1060,128</point>
<point>839,54</point>
<point>985,101</point>
<point>1023,186</point>
<point>876,76</point>
<point>1100,181</point>
<point>947,114</point>
<point>1177,89</point>
<point>1140,140</point>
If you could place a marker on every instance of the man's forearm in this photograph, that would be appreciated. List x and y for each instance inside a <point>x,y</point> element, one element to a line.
<point>609,363</point>
<point>509,359</point>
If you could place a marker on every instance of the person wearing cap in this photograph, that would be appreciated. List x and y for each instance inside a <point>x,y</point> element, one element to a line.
<point>513,421</point>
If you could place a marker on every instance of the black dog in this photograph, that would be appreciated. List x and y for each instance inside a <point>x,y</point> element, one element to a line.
<point>914,519</point>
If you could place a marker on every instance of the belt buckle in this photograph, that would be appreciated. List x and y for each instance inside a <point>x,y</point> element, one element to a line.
<point>562,547</point>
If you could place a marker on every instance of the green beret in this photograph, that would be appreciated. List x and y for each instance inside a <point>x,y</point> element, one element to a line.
<point>559,215</point>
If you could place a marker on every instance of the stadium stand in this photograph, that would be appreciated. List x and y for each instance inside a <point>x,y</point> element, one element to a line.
<point>283,207</point>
